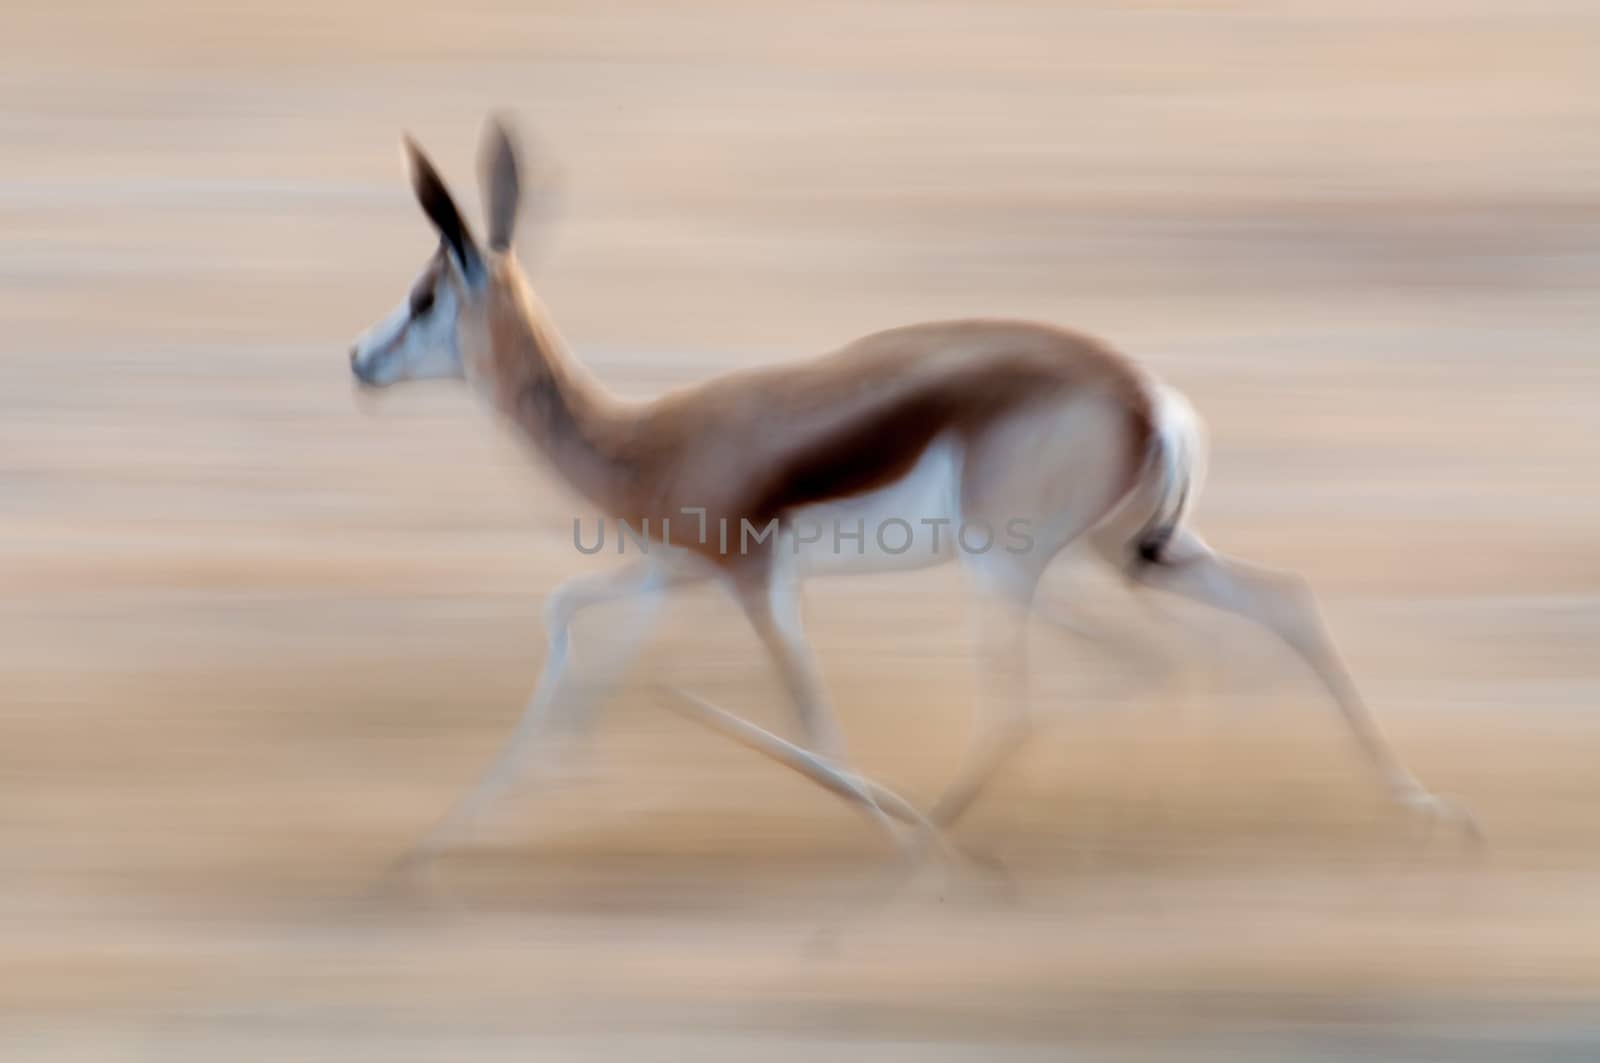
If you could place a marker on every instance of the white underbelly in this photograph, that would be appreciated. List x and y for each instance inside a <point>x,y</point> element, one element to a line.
<point>907,524</point>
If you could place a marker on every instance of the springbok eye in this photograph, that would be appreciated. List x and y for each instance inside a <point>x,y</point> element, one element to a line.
<point>422,302</point>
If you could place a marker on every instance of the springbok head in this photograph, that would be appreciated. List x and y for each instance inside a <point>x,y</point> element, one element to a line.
<point>433,331</point>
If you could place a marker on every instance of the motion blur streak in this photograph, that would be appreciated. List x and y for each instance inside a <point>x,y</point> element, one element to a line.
<point>257,630</point>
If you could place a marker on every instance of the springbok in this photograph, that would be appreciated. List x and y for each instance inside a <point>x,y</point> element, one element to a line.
<point>940,426</point>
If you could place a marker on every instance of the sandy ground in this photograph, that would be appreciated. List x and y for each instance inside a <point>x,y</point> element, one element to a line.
<point>255,634</point>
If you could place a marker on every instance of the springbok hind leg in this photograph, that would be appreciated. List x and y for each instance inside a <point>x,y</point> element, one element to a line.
<point>1002,722</point>
<point>1283,604</point>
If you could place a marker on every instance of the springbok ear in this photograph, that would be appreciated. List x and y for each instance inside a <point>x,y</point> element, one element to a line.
<point>498,170</point>
<point>441,210</point>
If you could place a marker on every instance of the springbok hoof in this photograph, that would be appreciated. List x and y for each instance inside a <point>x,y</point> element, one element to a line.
<point>1434,809</point>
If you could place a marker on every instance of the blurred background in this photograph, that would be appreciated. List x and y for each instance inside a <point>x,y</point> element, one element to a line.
<point>256,632</point>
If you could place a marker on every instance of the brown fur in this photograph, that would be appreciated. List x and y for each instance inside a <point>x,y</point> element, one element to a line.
<point>757,444</point>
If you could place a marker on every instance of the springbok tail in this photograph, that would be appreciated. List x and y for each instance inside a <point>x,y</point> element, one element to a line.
<point>1175,472</point>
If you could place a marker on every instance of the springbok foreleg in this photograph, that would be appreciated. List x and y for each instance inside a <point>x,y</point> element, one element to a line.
<point>642,584</point>
<point>791,755</point>
<point>773,609</point>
